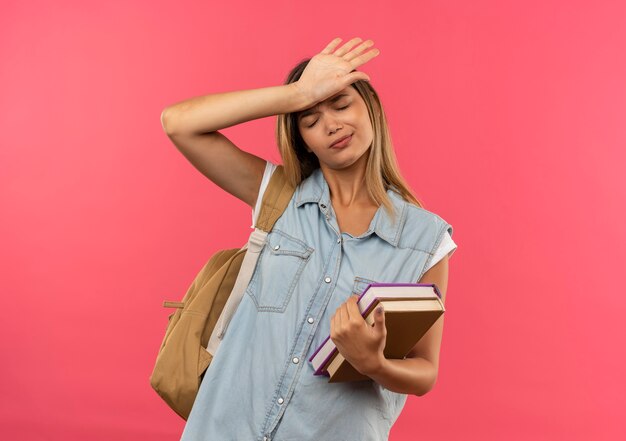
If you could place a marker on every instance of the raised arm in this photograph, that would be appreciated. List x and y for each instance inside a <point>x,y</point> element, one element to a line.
<point>193,125</point>
<point>210,113</point>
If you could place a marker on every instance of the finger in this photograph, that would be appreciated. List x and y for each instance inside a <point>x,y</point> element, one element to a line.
<point>331,46</point>
<point>358,49</point>
<point>337,319</point>
<point>355,76</point>
<point>379,320</point>
<point>364,58</point>
<point>346,47</point>
<point>343,313</point>
<point>352,308</point>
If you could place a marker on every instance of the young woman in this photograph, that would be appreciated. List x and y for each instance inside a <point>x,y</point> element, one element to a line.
<point>351,221</point>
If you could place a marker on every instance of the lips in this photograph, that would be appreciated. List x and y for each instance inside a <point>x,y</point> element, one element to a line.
<point>340,140</point>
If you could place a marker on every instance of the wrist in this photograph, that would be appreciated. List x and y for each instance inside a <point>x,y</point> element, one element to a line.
<point>375,366</point>
<point>301,98</point>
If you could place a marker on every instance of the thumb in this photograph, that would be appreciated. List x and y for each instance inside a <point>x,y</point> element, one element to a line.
<point>379,318</point>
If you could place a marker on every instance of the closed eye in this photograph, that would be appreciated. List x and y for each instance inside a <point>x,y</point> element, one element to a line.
<point>339,108</point>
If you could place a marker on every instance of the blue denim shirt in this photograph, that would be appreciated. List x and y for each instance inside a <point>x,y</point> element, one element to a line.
<point>260,384</point>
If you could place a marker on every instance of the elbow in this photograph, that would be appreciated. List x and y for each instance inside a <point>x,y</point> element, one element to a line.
<point>163,122</point>
<point>168,121</point>
<point>427,386</point>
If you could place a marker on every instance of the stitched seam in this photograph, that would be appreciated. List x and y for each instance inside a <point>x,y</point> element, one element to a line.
<point>295,239</point>
<point>307,345</point>
<point>414,249</point>
<point>360,283</point>
<point>396,239</point>
<point>442,228</point>
<point>304,258</point>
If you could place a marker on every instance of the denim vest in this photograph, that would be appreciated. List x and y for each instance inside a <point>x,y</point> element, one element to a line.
<point>260,385</point>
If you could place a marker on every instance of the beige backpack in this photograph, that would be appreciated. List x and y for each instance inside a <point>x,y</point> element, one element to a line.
<point>195,329</point>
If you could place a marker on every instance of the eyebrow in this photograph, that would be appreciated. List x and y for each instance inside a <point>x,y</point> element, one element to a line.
<point>314,109</point>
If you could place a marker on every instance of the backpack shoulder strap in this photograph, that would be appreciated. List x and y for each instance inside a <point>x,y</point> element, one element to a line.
<point>275,199</point>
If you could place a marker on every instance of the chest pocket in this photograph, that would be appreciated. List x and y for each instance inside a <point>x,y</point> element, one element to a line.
<point>360,283</point>
<point>278,271</point>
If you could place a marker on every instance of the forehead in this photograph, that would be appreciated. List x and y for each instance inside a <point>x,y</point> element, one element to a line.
<point>348,91</point>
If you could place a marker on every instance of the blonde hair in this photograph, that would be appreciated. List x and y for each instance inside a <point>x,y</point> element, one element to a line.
<point>382,171</point>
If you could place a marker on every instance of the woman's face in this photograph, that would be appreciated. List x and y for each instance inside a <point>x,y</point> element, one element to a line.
<point>343,114</point>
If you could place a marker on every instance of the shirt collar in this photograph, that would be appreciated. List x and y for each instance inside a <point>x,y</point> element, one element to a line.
<point>315,189</point>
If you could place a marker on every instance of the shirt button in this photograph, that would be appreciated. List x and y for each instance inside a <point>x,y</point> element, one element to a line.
<point>281,401</point>
<point>277,247</point>
<point>339,240</point>
<point>327,280</point>
<point>310,320</point>
<point>295,360</point>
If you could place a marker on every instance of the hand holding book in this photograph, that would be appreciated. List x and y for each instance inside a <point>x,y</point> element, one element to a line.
<point>410,309</point>
<point>360,344</point>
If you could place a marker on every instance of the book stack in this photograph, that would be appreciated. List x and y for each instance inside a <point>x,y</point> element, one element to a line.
<point>410,310</point>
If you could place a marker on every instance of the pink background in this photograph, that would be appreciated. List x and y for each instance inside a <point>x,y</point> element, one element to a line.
<point>508,120</point>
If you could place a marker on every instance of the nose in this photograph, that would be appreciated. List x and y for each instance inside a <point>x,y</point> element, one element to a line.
<point>332,124</point>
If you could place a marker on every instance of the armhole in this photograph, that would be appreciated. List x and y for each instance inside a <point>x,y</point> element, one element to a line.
<point>447,246</point>
<point>267,174</point>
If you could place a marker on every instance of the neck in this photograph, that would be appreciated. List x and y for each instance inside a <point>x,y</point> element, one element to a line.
<point>347,186</point>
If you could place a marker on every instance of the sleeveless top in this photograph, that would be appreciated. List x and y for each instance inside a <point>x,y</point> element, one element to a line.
<point>447,245</point>
<point>260,385</point>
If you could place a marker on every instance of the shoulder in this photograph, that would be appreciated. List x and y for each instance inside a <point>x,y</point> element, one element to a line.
<point>423,230</point>
<point>270,167</point>
<point>419,215</point>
